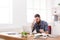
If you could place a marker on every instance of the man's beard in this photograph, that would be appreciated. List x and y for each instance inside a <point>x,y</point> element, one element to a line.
<point>38,22</point>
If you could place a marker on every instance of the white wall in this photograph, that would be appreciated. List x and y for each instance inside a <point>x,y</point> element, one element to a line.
<point>19,17</point>
<point>56,28</point>
<point>56,24</point>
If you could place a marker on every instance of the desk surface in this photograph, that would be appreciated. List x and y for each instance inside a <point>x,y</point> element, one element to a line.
<point>11,38</point>
<point>28,38</point>
<point>48,38</point>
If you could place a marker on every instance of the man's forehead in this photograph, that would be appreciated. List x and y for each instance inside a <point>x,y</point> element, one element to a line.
<point>37,17</point>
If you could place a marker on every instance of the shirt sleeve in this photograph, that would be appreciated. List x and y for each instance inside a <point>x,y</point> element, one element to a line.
<point>33,28</point>
<point>46,26</point>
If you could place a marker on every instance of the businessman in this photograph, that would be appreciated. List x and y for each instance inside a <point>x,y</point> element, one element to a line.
<point>39,25</point>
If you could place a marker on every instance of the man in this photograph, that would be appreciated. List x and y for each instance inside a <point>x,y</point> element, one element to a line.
<point>39,25</point>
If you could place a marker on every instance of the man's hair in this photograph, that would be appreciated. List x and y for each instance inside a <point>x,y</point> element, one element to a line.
<point>37,15</point>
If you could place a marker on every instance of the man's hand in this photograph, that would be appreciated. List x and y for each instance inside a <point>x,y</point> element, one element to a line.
<point>46,32</point>
<point>41,30</point>
<point>33,23</point>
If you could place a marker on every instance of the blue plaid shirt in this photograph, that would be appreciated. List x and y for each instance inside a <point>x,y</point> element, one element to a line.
<point>43,25</point>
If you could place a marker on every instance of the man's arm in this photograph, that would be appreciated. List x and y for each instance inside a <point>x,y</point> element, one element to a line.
<point>33,28</point>
<point>33,23</point>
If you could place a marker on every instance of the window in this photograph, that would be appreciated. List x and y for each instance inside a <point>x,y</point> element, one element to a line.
<point>5,11</point>
<point>42,7</point>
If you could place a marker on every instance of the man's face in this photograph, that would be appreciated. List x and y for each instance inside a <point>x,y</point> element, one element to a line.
<point>37,19</point>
